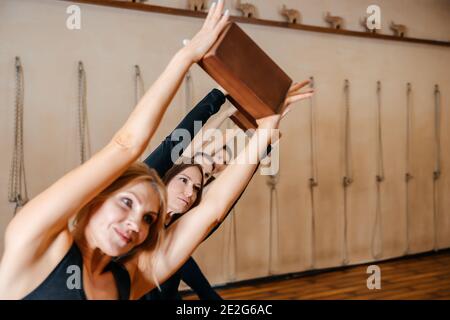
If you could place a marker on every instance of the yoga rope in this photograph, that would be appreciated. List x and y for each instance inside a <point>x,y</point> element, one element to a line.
<point>17,192</point>
<point>83,127</point>
<point>377,251</point>
<point>272,181</point>
<point>232,235</point>
<point>313,180</point>
<point>437,167</point>
<point>139,91</point>
<point>347,180</point>
<point>188,83</point>
<point>408,175</point>
<point>138,85</point>
<point>232,246</point>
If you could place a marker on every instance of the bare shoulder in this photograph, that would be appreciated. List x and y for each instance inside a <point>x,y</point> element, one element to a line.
<point>22,270</point>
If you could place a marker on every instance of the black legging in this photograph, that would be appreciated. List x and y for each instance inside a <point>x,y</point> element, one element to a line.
<point>191,274</point>
<point>194,278</point>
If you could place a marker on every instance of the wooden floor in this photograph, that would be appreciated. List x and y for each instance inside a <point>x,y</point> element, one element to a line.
<point>419,277</point>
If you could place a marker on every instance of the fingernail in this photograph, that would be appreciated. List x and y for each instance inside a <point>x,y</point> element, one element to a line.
<point>227,12</point>
<point>213,5</point>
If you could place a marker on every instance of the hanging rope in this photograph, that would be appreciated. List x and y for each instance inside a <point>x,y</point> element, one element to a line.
<point>232,234</point>
<point>437,167</point>
<point>272,181</point>
<point>139,90</point>
<point>138,85</point>
<point>231,245</point>
<point>83,130</point>
<point>408,175</point>
<point>17,192</point>
<point>189,88</point>
<point>348,172</point>
<point>313,181</point>
<point>188,95</point>
<point>377,230</point>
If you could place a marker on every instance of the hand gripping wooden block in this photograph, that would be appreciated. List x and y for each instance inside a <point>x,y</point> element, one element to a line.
<point>256,84</point>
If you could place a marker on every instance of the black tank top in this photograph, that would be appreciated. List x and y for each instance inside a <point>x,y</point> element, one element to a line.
<point>57,286</point>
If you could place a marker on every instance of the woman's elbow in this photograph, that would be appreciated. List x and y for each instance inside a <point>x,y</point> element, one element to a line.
<point>126,142</point>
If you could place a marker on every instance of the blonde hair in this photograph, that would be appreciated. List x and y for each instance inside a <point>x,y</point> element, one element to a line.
<point>137,172</point>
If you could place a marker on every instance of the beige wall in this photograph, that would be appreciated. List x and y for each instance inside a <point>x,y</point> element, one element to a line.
<point>111,41</point>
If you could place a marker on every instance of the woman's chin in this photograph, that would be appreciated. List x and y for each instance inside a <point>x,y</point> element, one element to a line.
<point>115,250</point>
<point>181,209</point>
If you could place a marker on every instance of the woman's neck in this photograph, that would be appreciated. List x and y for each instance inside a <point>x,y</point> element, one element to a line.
<point>94,260</point>
<point>169,215</point>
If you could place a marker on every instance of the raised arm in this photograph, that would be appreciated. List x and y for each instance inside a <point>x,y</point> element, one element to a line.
<point>50,210</point>
<point>293,95</point>
<point>203,136</point>
<point>268,151</point>
<point>160,159</point>
<point>183,236</point>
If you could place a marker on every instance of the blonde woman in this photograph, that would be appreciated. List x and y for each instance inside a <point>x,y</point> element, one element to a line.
<point>119,209</point>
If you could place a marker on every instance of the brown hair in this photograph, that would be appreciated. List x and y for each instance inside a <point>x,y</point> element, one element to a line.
<point>176,169</point>
<point>136,172</point>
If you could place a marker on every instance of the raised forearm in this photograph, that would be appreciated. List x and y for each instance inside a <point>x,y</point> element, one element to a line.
<point>207,132</point>
<point>183,236</point>
<point>216,145</point>
<point>163,157</point>
<point>229,185</point>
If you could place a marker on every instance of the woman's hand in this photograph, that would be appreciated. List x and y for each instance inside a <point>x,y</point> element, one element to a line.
<point>215,22</point>
<point>293,95</point>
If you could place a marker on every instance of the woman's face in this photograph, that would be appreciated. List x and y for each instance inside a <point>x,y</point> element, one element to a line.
<point>182,190</point>
<point>123,221</point>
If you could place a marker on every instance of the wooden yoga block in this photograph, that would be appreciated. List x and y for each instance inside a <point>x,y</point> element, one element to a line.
<point>241,117</point>
<point>243,122</point>
<point>256,84</point>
